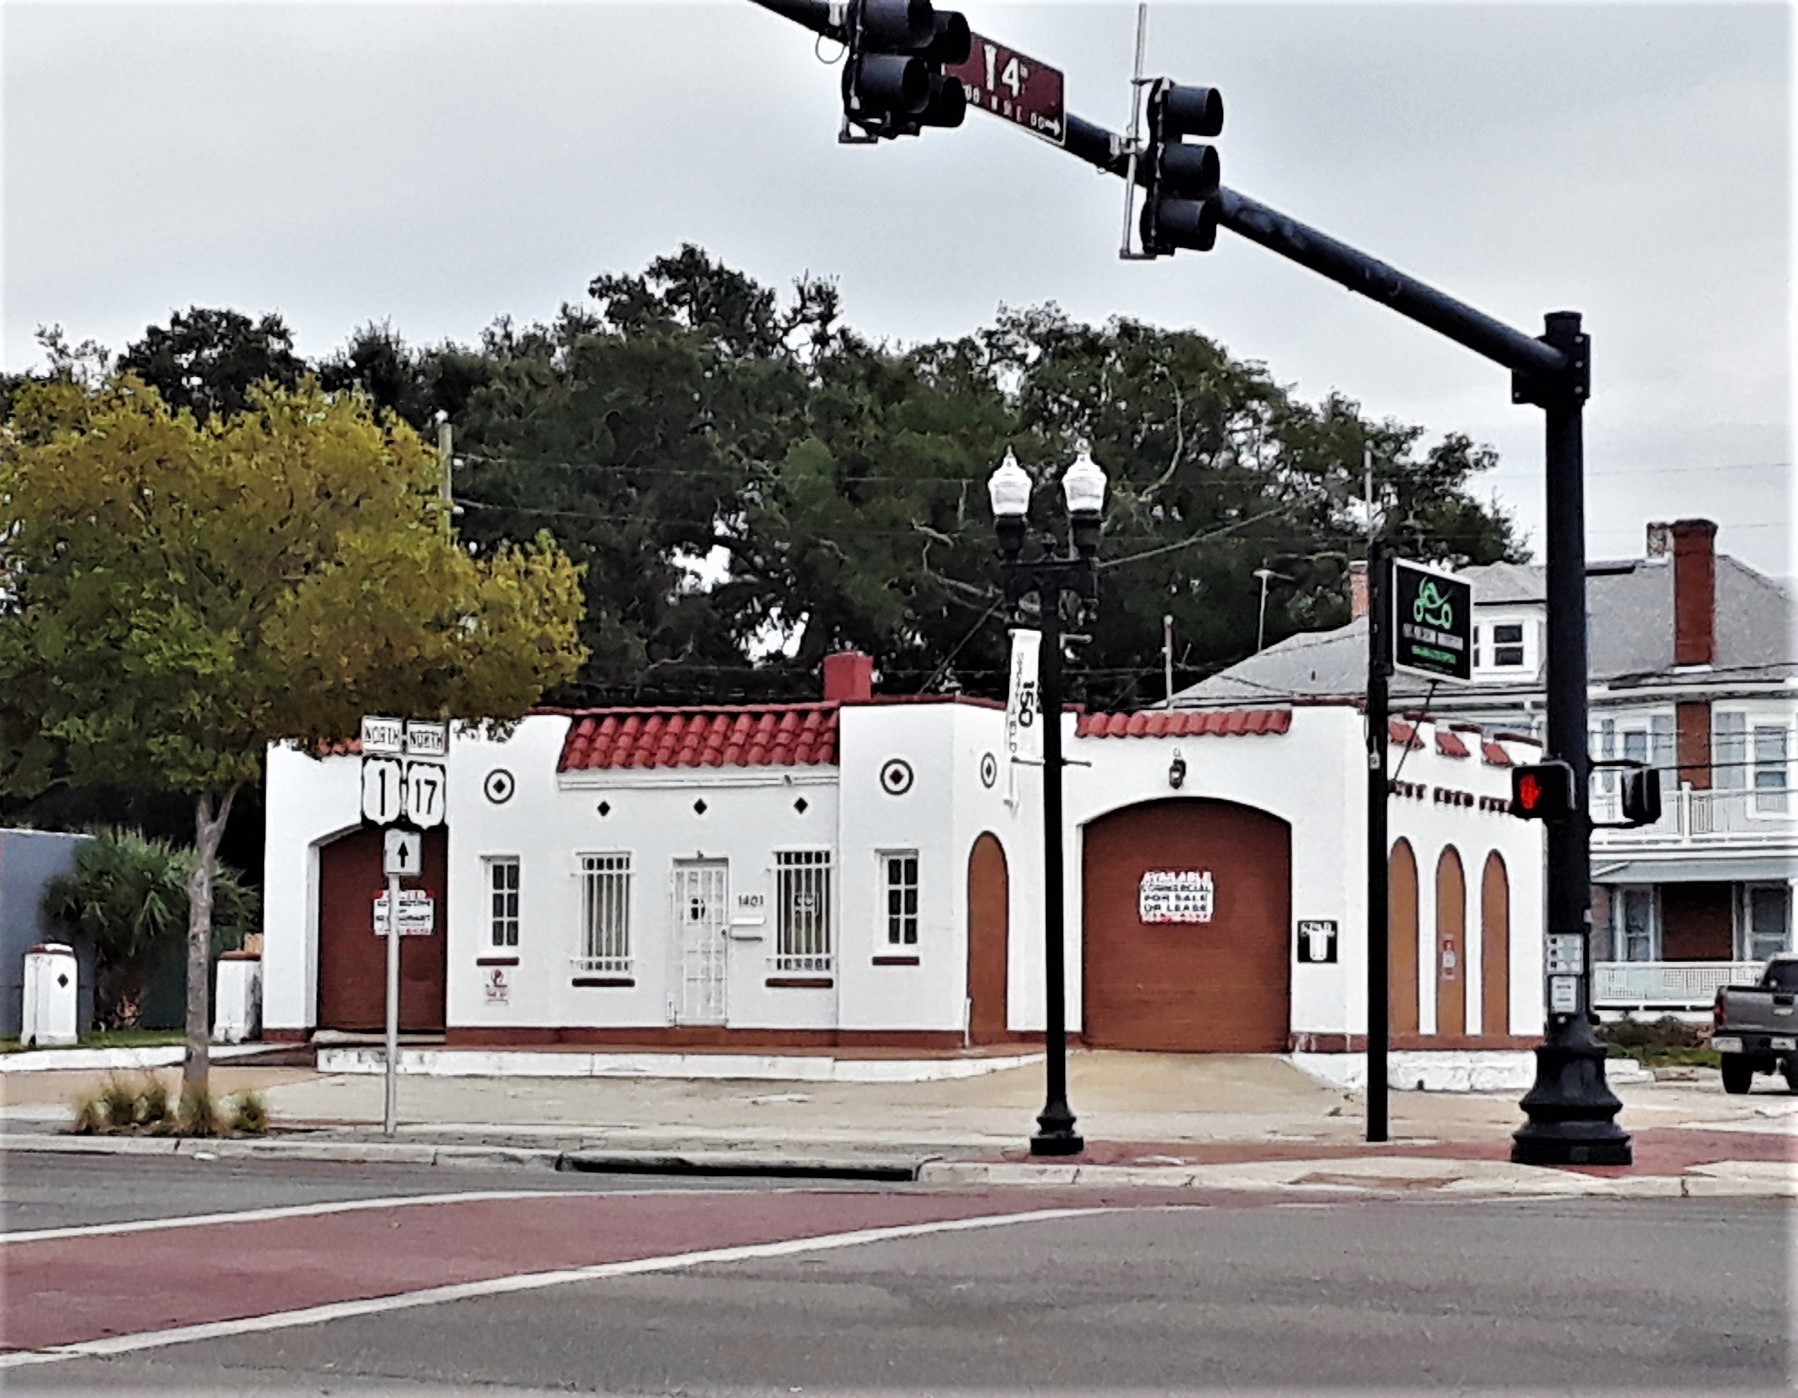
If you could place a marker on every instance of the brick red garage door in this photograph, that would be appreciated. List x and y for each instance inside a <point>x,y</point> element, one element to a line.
<point>1217,986</point>
<point>352,960</point>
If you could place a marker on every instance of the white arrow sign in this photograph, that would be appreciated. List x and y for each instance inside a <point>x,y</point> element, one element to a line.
<point>382,778</point>
<point>404,855</point>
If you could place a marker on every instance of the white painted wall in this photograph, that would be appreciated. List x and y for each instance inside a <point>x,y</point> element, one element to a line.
<point>1312,777</point>
<point>309,802</point>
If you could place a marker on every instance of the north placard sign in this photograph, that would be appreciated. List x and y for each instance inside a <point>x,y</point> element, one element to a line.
<point>1007,84</point>
<point>1432,623</point>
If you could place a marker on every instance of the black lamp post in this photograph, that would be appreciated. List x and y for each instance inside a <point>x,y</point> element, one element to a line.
<point>1049,579</point>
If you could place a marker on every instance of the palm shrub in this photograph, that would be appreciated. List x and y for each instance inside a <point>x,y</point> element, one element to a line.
<point>126,897</point>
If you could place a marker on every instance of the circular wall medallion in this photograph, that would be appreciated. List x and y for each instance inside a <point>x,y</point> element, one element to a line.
<point>989,770</point>
<point>895,777</point>
<point>499,786</point>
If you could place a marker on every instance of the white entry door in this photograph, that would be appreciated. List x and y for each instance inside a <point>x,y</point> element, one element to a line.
<point>701,917</point>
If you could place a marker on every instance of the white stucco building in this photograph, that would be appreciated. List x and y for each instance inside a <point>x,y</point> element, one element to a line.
<point>868,870</point>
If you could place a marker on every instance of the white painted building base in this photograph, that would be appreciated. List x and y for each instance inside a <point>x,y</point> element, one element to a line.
<point>1446,1070</point>
<point>753,1067</point>
<point>123,1060</point>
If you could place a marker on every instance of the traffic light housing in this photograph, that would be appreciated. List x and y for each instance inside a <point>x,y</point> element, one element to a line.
<point>1180,207</point>
<point>893,80</point>
<point>1543,791</point>
<point>1641,797</point>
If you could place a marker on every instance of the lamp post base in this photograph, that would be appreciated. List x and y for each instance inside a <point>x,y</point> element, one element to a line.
<point>1055,1132</point>
<point>1570,1107</point>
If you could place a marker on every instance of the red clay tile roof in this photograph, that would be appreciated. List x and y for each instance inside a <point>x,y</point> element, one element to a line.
<point>1449,745</point>
<point>1495,756</point>
<point>772,735</point>
<point>1185,723</point>
<point>1404,734</point>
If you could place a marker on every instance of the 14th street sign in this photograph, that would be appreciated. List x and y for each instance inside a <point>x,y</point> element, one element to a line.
<point>1004,82</point>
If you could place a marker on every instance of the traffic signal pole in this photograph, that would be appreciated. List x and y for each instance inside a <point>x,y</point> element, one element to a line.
<point>1571,1109</point>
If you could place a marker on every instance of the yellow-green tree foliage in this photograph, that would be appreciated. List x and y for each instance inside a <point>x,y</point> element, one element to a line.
<point>174,596</point>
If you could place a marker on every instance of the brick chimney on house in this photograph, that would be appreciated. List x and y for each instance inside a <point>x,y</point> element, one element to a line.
<point>1359,598</point>
<point>1694,591</point>
<point>1693,546</point>
<point>848,677</point>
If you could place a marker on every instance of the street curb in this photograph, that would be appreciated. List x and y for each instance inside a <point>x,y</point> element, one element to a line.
<point>341,1152</point>
<point>726,1163</point>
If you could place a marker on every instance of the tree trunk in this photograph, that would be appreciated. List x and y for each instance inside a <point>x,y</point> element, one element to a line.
<point>209,827</point>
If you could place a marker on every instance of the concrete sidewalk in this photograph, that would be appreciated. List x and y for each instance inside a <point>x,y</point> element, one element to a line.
<point>1179,1120</point>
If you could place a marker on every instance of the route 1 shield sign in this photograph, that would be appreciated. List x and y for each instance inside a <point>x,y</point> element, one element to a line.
<point>1432,623</point>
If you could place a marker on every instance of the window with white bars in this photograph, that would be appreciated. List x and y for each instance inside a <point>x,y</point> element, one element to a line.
<point>605,913</point>
<point>502,899</point>
<point>802,898</point>
<point>900,869</point>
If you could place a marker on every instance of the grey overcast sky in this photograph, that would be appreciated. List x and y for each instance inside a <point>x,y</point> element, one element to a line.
<point>438,165</point>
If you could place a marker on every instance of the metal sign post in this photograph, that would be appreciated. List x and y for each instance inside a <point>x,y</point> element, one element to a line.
<point>414,790</point>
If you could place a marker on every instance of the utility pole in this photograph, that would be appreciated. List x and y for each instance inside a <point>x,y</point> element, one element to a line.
<point>446,458</point>
<point>1167,656</point>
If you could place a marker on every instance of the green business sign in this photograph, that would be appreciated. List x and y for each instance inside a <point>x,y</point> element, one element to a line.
<point>1432,623</point>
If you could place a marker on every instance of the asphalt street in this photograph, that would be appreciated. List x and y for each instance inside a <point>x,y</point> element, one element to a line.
<point>328,1282</point>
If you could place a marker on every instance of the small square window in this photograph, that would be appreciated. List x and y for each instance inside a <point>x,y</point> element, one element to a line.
<point>1507,646</point>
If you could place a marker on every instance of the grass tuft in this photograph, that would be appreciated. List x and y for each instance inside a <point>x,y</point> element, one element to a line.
<point>199,1115</point>
<point>249,1115</point>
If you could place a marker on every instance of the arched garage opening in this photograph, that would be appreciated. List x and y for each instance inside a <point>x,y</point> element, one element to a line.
<point>1495,947</point>
<point>1401,927</point>
<point>1187,912</point>
<point>352,960</point>
<point>989,940</point>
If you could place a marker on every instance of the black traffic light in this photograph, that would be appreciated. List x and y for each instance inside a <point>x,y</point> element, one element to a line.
<point>1543,791</point>
<point>1180,207</point>
<point>893,81</point>
<point>1641,797</point>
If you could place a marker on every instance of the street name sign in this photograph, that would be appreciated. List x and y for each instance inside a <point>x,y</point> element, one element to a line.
<point>1004,82</point>
<point>1432,623</point>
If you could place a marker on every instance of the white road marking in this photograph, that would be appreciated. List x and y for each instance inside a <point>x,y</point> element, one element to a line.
<point>528,1281</point>
<point>263,1215</point>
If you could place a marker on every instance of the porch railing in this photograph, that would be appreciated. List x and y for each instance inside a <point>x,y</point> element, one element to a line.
<point>1734,817</point>
<point>1665,985</point>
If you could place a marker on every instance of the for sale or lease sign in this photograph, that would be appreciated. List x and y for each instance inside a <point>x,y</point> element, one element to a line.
<point>1175,895</point>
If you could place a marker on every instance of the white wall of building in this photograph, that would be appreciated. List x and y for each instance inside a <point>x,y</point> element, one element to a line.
<point>1312,777</point>
<point>310,801</point>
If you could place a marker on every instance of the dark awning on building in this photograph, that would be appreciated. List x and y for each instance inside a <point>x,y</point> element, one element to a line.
<point>1735,868</point>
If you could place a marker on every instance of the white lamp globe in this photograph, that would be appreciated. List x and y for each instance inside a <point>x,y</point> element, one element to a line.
<point>1084,484</point>
<point>1009,489</point>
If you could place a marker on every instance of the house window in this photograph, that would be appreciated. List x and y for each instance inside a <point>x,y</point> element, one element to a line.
<point>605,913</point>
<point>1507,646</point>
<point>1766,920</point>
<point>901,869</point>
<point>1770,748</point>
<point>802,897</point>
<point>502,894</point>
<point>1635,924</point>
<point>1729,752</point>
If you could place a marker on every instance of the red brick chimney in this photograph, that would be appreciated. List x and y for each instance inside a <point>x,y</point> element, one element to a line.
<point>1359,600</point>
<point>848,677</point>
<point>1694,592</point>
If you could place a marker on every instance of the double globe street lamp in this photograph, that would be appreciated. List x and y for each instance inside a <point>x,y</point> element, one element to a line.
<point>1049,579</point>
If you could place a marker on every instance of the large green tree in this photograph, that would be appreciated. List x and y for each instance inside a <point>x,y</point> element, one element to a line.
<point>180,594</point>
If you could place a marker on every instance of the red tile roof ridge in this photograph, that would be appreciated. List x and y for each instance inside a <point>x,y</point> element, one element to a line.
<point>1185,723</point>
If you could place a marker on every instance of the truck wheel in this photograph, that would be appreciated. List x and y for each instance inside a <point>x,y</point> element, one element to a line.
<point>1738,1073</point>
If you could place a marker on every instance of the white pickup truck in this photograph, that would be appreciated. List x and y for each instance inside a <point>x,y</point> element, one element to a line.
<point>1755,1027</point>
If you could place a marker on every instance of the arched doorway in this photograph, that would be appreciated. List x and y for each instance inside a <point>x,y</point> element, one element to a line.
<point>352,959</point>
<point>1401,928</point>
<point>1197,958</point>
<point>1451,944</point>
<point>989,940</point>
<point>1495,947</point>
